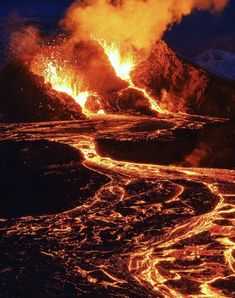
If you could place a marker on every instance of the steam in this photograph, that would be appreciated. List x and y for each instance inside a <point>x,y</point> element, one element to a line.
<point>131,23</point>
<point>24,41</point>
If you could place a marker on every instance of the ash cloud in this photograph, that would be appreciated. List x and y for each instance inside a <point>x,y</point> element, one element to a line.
<point>131,23</point>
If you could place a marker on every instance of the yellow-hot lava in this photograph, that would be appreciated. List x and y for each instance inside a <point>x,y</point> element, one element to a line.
<point>122,64</point>
<point>62,79</point>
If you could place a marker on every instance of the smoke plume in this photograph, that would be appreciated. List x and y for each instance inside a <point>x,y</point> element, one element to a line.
<point>131,23</point>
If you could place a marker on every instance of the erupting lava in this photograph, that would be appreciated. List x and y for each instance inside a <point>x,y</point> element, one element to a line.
<point>121,28</point>
<point>62,79</point>
<point>66,78</point>
<point>122,64</point>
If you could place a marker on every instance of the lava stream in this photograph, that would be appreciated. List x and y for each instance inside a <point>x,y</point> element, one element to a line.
<point>123,66</point>
<point>149,230</point>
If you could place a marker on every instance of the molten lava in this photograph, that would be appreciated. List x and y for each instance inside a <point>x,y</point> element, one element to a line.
<point>122,64</point>
<point>146,230</point>
<point>62,79</point>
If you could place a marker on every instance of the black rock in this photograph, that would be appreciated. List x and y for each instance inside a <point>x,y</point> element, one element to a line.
<point>41,177</point>
<point>26,98</point>
<point>181,86</point>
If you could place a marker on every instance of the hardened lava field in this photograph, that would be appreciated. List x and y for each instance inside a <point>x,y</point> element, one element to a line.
<point>87,213</point>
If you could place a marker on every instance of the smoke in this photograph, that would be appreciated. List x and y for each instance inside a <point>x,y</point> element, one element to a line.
<point>24,41</point>
<point>131,23</point>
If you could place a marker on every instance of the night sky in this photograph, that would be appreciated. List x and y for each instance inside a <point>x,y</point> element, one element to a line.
<point>196,33</point>
<point>34,7</point>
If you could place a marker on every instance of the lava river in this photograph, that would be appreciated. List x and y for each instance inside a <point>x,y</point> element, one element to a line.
<point>134,228</point>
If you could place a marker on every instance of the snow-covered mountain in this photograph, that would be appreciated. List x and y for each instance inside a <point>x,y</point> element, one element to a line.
<point>218,61</point>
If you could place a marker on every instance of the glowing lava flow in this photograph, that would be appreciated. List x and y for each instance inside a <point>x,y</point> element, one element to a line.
<point>146,231</point>
<point>123,66</point>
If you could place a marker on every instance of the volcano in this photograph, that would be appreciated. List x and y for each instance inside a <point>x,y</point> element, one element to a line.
<point>175,84</point>
<point>182,86</point>
<point>117,171</point>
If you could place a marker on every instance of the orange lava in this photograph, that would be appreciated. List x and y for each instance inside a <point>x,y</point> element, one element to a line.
<point>124,64</point>
<point>172,229</point>
<point>63,76</point>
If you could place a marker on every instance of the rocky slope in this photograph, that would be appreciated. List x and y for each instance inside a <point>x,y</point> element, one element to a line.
<point>181,86</point>
<point>26,98</point>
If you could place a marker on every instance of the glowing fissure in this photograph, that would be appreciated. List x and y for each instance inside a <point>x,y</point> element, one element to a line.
<point>123,66</point>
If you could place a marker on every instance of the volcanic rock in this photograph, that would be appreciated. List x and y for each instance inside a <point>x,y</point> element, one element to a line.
<point>41,177</point>
<point>184,87</point>
<point>210,146</point>
<point>91,61</point>
<point>128,101</point>
<point>26,98</point>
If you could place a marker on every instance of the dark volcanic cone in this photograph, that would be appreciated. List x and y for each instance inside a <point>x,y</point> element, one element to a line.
<point>113,95</point>
<point>26,98</point>
<point>95,67</point>
<point>128,101</point>
<point>181,86</point>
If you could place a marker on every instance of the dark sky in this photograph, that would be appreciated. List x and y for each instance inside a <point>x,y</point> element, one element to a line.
<point>196,33</point>
<point>203,30</point>
<point>34,7</point>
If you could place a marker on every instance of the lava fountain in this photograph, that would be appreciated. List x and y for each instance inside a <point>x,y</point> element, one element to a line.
<point>62,81</point>
<point>124,64</point>
<point>66,78</point>
<point>62,78</point>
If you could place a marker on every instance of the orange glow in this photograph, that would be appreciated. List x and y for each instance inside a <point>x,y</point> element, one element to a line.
<point>122,64</point>
<point>173,225</point>
<point>62,79</point>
